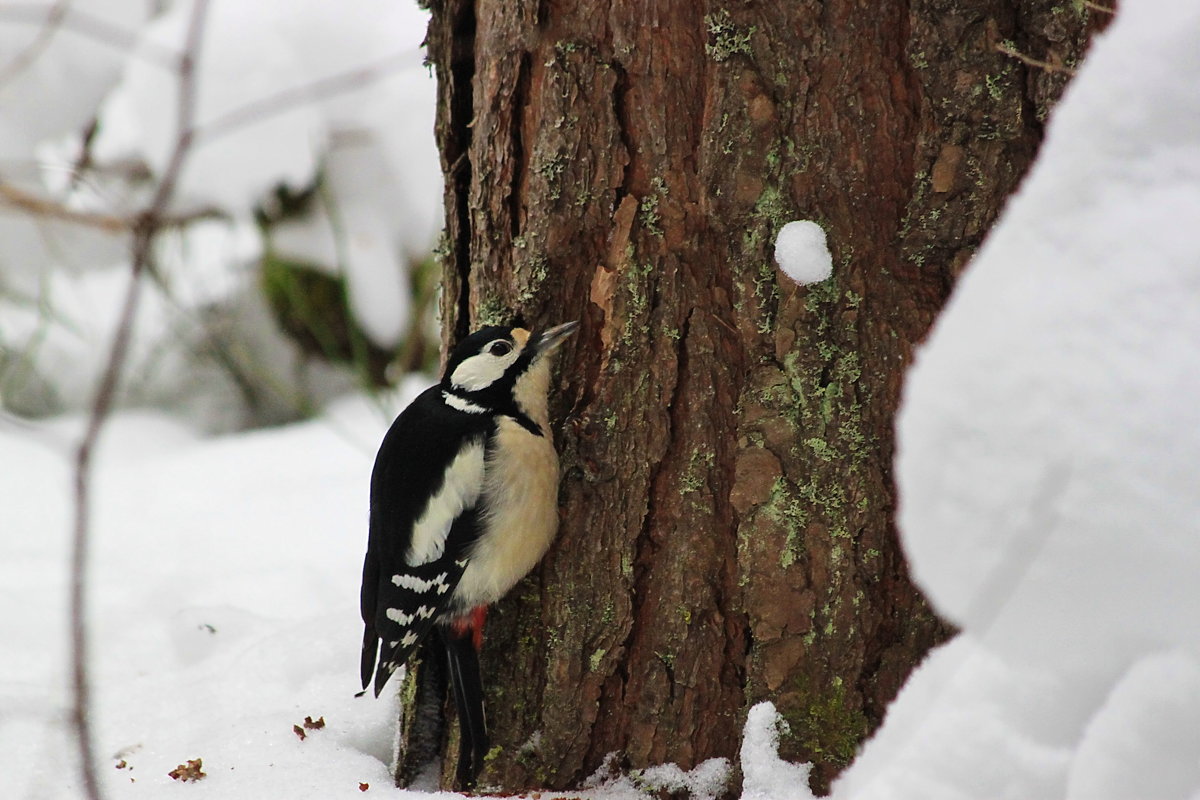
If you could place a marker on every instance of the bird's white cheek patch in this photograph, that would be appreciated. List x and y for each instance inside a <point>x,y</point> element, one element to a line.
<point>481,371</point>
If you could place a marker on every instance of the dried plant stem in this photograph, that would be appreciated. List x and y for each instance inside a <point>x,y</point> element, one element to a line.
<point>68,16</point>
<point>45,35</point>
<point>1033,62</point>
<point>50,209</point>
<point>288,99</point>
<point>145,228</point>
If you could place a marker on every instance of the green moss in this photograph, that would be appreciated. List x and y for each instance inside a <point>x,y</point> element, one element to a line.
<point>827,727</point>
<point>491,311</point>
<point>584,197</point>
<point>648,214</point>
<point>408,688</point>
<point>637,301</point>
<point>551,170</point>
<point>785,507</point>
<point>995,88</point>
<point>771,212</point>
<point>532,272</point>
<point>821,449</point>
<point>727,39</point>
<point>695,474</point>
<point>921,187</point>
<point>595,658</point>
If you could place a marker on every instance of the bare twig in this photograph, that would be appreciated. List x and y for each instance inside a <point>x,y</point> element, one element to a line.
<point>23,59</point>
<point>44,207</point>
<point>149,223</point>
<point>83,161</point>
<point>1009,50</point>
<point>47,208</point>
<point>1098,7</point>
<point>93,27</point>
<point>288,99</point>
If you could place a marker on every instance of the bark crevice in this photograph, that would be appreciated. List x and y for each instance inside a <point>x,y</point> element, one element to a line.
<point>728,506</point>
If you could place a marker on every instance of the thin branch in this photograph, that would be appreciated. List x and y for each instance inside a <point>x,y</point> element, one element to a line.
<point>37,206</point>
<point>83,161</point>
<point>288,99</point>
<point>144,232</point>
<point>93,27</point>
<point>45,34</point>
<point>45,207</point>
<point>1098,7</point>
<point>1008,50</point>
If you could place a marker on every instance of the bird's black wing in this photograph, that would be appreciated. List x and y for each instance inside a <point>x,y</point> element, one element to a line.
<point>423,519</point>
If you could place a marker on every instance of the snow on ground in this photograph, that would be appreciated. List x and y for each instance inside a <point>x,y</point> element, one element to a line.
<point>223,608</point>
<point>1048,459</point>
<point>224,612</point>
<point>1048,450</point>
<point>765,776</point>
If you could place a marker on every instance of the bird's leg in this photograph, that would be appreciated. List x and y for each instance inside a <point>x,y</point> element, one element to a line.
<point>462,640</point>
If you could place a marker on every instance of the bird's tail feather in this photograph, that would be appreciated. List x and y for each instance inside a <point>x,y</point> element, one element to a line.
<point>463,662</point>
<point>370,651</point>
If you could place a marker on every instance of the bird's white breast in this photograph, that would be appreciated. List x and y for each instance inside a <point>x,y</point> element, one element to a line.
<point>521,502</point>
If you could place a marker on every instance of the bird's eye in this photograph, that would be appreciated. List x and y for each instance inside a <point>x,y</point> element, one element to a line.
<point>500,348</point>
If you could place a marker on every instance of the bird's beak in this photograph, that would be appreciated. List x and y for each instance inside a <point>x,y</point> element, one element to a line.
<point>549,339</point>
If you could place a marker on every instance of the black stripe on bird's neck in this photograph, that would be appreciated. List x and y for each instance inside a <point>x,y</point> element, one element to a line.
<point>525,422</point>
<point>490,402</point>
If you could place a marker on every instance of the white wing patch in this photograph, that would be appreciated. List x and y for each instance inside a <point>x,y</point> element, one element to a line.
<point>400,618</point>
<point>415,584</point>
<point>459,491</point>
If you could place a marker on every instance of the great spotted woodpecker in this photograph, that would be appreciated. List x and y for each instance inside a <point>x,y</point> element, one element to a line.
<point>464,502</point>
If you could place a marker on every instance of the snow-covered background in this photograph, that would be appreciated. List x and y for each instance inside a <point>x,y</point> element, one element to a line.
<point>332,100</point>
<point>1049,444</point>
<point>1049,461</point>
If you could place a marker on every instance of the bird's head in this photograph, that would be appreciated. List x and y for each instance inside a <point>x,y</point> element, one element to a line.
<point>499,367</point>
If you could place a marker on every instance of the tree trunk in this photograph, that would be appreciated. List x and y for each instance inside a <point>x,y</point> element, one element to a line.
<point>726,436</point>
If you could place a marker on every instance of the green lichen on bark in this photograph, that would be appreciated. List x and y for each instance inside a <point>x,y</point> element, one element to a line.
<point>825,723</point>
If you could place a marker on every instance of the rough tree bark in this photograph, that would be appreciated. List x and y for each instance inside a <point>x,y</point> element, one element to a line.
<point>727,527</point>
